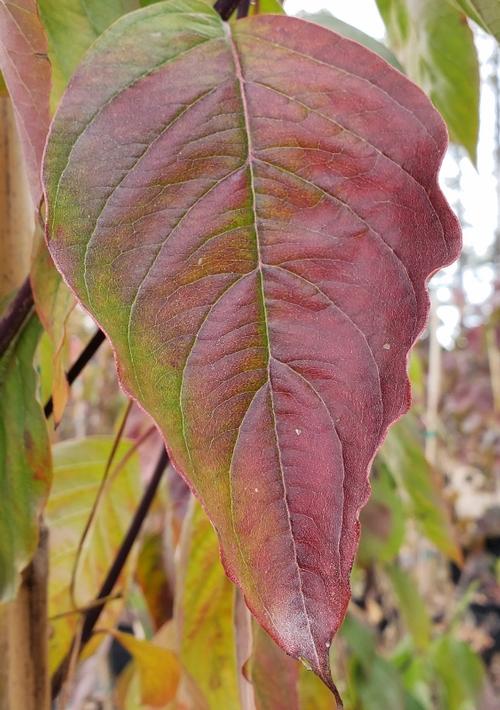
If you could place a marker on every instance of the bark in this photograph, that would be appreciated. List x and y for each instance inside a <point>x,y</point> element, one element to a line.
<point>24,681</point>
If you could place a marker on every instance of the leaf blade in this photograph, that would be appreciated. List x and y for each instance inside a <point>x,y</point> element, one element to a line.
<point>237,398</point>
<point>25,461</point>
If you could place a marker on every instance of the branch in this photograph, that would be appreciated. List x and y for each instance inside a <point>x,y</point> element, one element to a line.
<point>17,312</point>
<point>93,613</point>
<point>243,8</point>
<point>225,8</point>
<point>74,371</point>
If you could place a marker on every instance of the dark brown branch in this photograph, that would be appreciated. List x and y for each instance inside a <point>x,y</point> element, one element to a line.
<point>225,8</point>
<point>243,8</point>
<point>17,312</point>
<point>86,355</point>
<point>92,614</point>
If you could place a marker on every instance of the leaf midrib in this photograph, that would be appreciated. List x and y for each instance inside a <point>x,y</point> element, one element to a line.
<point>250,157</point>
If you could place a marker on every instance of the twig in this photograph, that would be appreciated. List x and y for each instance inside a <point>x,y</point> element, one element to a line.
<point>92,615</point>
<point>86,355</point>
<point>225,8</point>
<point>18,311</point>
<point>243,8</point>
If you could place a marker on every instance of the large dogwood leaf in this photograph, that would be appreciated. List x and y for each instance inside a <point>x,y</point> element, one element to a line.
<point>251,213</point>
<point>26,70</point>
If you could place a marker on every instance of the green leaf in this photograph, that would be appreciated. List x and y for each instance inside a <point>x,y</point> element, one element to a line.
<point>382,521</point>
<point>374,682</point>
<point>325,18</point>
<point>436,47</point>
<point>403,454</point>
<point>204,613</point>
<point>25,462</point>
<point>266,7</point>
<point>460,672</point>
<point>72,26</point>
<point>486,13</point>
<point>412,606</point>
<point>79,465</point>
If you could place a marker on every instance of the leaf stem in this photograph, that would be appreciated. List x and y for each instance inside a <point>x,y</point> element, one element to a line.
<point>17,312</point>
<point>91,616</point>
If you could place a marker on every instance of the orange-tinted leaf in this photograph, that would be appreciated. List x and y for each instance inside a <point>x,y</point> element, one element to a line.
<point>26,70</point>
<point>251,213</point>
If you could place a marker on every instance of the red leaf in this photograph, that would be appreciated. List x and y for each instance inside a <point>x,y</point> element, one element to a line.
<point>26,69</point>
<point>251,213</point>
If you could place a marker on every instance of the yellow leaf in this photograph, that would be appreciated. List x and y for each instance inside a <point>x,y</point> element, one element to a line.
<point>158,668</point>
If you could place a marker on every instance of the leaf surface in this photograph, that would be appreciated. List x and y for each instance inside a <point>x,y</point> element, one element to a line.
<point>25,462</point>
<point>325,18</point>
<point>26,70</point>
<point>231,206</point>
<point>434,43</point>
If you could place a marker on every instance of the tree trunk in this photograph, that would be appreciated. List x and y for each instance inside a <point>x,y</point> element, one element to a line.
<point>24,639</point>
